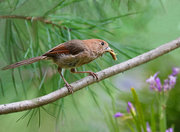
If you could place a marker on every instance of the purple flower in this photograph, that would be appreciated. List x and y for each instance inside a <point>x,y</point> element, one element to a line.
<point>166,85</point>
<point>172,80</point>
<point>158,84</point>
<point>130,108</point>
<point>169,130</point>
<point>154,82</point>
<point>175,71</point>
<point>169,83</point>
<point>148,127</point>
<point>118,114</point>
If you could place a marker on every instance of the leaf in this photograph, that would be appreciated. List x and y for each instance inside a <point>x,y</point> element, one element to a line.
<point>31,8</point>
<point>42,80</point>
<point>119,16</point>
<point>2,88</point>
<point>139,110</point>
<point>33,112</point>
<point>48,112</point>
<point>111,121</point>
<point>94,96</point>
<point>23,116</point>
<point>153,120</point>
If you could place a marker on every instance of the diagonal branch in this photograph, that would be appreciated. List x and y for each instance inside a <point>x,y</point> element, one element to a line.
<point>51,97</point>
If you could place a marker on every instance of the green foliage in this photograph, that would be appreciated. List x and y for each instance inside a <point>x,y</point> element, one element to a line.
<point>123,24</point>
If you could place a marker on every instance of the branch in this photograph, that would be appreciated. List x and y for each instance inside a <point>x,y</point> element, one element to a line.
<point>29,18</point>
<point>60,93</point>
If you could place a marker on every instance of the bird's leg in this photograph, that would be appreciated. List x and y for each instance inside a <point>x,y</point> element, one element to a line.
<point>73,70</point>
<point>69,87</point>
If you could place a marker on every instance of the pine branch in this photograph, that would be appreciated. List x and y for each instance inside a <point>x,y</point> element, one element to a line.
<point>29,18</point>
<point>51,97</point>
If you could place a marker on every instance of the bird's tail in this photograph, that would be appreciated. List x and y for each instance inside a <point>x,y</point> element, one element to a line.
<point>24,62</point>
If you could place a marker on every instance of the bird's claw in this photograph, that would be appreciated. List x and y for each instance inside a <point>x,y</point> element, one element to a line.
<point>69,87</point>
<point>94,75</point>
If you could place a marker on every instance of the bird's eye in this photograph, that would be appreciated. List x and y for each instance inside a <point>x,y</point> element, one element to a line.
<point>102,43</point>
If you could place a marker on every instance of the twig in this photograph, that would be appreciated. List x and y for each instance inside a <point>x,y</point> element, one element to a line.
<point>51,97</point>
<point>29,18</point>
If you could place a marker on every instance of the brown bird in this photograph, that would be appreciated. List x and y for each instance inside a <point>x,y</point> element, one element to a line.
<point>70,55</point>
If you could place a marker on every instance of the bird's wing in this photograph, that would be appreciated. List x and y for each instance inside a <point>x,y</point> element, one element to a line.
<point>72,47</point>
<point>60,49</point>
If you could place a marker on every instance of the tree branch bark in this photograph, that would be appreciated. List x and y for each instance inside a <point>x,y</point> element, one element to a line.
<point>29,18</point>
<point>51,97</point>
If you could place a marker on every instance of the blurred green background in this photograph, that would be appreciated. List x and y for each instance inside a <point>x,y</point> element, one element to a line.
<point>131,27</point>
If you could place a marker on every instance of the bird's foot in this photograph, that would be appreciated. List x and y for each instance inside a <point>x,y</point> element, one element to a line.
<point>94,75</point>
<point>69,87</point>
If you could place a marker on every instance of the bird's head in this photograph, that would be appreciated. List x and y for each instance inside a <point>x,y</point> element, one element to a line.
<point>99,46</point>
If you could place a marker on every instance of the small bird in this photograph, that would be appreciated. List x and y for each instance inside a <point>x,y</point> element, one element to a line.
<point>70,55</point>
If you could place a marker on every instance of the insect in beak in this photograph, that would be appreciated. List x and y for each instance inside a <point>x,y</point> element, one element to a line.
<point>113,54</point>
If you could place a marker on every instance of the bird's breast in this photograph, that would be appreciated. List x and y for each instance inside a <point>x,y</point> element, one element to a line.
<point>66,61</point>
<point>71,61</point>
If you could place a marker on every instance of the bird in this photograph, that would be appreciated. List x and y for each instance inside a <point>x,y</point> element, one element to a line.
<point>70,55</point>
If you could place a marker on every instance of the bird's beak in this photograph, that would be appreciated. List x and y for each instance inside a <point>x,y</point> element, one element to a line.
<point>108,49</point>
